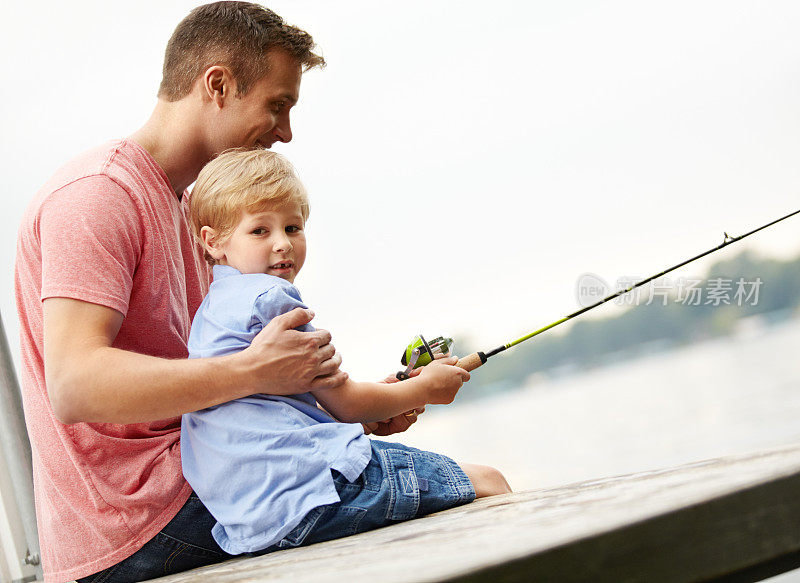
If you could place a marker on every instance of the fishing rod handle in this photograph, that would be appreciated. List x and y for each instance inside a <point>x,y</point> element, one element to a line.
<point>472,361</point>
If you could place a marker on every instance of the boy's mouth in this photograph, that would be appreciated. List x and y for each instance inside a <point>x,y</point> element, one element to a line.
<point>282,265</point>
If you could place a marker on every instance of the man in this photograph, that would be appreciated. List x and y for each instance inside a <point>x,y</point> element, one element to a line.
<point>107,281</point>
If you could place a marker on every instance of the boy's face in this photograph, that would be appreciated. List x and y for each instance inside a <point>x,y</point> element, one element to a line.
<point>271,241</point>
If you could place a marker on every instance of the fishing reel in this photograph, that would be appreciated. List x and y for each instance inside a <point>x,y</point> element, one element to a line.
<point>421,352</point>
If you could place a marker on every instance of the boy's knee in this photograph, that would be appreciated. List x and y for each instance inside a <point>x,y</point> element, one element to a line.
<point>486,480</point>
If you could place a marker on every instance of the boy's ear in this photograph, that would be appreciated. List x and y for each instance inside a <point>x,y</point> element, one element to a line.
<point>211,243</point>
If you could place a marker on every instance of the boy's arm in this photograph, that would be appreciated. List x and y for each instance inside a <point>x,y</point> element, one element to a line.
<point>398,423</point>
<point>89,380</point>
<point>354,401</point>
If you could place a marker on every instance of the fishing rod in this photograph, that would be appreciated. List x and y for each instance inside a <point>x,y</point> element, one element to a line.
<point>420,352</point>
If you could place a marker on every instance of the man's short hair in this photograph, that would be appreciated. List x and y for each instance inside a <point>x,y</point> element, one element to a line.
<point>235,34</point>
<point>239,181</point>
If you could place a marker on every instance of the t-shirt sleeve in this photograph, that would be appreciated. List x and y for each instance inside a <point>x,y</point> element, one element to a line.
<point>277,300</point>
<point>91,241</point>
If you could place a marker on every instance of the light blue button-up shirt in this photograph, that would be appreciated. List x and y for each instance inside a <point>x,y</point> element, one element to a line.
<point>261,463</point>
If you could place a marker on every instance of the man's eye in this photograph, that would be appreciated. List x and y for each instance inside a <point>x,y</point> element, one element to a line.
<point>278,107</point>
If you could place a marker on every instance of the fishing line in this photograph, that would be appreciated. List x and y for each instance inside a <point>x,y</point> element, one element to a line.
<point>420,352</point>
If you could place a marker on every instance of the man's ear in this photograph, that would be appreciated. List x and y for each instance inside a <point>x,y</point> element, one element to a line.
<point>218,84</point>
<point>211,243</point>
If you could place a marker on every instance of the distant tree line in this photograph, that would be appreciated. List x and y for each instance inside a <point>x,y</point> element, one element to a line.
<point>642,328</point>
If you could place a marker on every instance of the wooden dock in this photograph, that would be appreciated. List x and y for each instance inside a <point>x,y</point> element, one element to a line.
<point>731,519</point>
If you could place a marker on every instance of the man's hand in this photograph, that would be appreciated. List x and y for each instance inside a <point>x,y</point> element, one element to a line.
<point>283,359</point>
<point>396,424</point>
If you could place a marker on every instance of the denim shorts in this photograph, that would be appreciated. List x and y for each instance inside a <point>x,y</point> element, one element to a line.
<point>398,484</point>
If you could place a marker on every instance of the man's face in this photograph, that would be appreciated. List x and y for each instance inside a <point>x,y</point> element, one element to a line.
<point>270,241</point>
<point>261,117</point>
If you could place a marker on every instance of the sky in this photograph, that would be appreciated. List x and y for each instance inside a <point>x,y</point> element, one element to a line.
<point>466,162</point>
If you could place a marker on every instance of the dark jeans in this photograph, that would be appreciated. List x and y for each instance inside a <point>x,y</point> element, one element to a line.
<point>185,543</point>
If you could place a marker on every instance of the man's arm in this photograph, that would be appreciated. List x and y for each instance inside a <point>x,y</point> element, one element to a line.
<point>89,380</point>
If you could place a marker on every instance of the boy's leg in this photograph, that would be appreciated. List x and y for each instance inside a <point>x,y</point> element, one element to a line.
<point>399,483</point>
<point>486,480</point>
<point>184,543</point>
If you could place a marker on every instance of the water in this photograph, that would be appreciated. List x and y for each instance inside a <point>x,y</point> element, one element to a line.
<point>726,396</point>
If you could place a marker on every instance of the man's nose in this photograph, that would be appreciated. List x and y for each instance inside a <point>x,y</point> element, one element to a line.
<point>283,131</point>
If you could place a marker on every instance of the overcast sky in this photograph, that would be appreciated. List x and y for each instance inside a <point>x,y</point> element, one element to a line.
<point>466,161</point>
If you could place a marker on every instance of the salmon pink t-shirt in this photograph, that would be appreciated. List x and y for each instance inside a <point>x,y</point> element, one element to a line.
<point>107,229</point>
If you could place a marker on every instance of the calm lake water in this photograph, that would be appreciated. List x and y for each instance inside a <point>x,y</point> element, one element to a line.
<point>725,396</point>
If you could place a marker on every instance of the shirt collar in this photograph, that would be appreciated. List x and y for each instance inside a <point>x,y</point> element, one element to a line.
<point>221,271</point>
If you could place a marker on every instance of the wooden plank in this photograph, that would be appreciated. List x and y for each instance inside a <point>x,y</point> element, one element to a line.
<point>712,519</point>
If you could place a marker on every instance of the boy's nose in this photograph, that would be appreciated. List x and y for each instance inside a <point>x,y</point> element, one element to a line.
<point>282,244</point>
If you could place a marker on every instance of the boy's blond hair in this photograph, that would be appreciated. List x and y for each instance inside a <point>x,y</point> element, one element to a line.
<point>239,181</point>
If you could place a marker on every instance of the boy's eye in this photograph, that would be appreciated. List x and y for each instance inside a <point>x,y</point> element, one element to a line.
<point>293,229</point>
<point>259,231</point>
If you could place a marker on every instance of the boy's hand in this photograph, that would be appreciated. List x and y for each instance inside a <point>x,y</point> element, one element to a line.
<point>443,380</point>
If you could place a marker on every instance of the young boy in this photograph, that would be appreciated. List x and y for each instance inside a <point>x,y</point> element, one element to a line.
<point>279,471</point>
